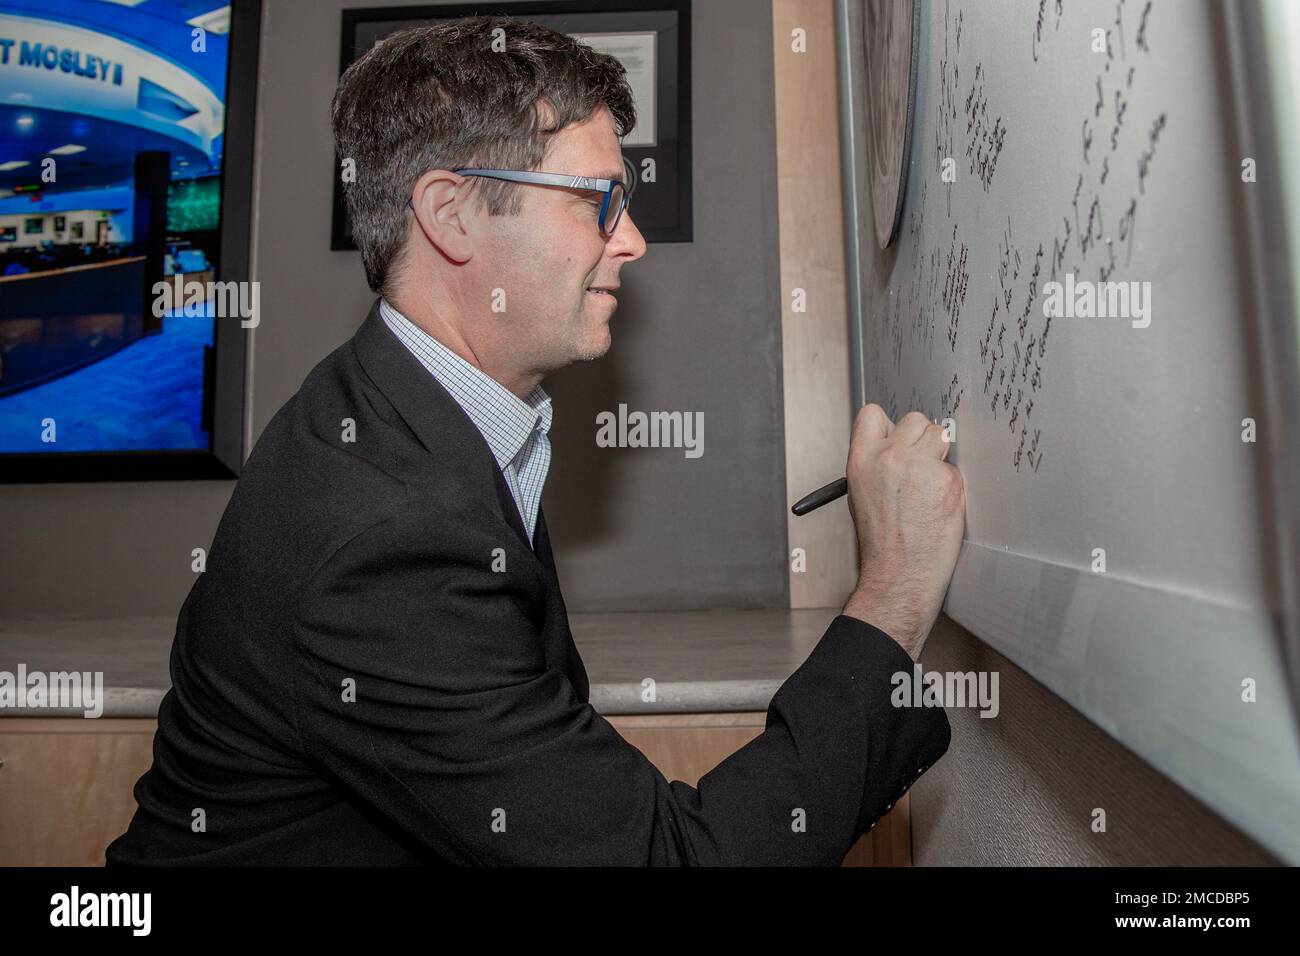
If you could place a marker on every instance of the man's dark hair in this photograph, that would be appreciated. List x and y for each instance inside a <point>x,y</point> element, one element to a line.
<point>441,97</point>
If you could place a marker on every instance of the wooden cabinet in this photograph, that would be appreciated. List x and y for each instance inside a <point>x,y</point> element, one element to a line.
<point>65,783</point>
<point>65,786</point>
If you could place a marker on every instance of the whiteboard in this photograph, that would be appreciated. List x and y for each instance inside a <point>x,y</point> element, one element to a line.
<point>1121,540</point>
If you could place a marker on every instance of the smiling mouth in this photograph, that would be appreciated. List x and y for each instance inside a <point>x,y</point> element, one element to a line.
<point>602,293</point>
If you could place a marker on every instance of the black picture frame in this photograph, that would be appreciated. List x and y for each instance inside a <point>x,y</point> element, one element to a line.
<point>671,218</point>
<point>225,362</point>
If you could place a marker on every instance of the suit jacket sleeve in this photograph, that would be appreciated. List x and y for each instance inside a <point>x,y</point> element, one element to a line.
<point>422,689</point>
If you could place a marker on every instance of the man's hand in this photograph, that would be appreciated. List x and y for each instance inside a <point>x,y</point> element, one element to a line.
<point>909,509</point>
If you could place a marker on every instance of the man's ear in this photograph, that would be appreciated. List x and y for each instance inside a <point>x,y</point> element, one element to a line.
<point>443,212</point>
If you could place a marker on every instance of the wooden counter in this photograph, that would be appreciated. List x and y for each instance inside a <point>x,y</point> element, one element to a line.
<point>66,781</point>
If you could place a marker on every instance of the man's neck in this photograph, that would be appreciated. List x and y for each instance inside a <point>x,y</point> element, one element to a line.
<point>449,334</point>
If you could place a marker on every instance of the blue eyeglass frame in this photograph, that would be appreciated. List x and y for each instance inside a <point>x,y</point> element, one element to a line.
<point>564,180</point>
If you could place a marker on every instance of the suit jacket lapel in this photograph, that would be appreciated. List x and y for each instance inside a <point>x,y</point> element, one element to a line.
<point>446,432</point>
<point>561,648</point>
<point>428,409</point>
<point>508,505</point>
<point>543,547</point>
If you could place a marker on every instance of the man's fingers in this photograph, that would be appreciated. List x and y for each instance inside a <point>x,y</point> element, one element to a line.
<point>932,440</point>
<point>911,428</point>
<point>872,423</point>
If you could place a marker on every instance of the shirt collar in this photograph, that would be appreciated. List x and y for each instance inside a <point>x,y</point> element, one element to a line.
<point>505,420</point>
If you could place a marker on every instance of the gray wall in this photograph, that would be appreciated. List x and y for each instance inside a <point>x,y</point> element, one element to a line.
<point>1020,789</point>
<point>697,329</point>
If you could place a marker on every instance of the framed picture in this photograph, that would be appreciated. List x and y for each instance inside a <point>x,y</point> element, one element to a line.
<point>651,38</point>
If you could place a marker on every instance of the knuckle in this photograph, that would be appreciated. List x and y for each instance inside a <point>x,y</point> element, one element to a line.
<point>913,416</point>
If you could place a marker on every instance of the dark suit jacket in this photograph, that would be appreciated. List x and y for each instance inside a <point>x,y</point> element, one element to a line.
<point>353,683</point>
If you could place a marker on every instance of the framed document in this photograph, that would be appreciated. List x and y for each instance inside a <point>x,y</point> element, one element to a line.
<point>651,38</point>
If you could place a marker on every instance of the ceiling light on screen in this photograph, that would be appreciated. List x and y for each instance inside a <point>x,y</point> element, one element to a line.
<point>214,21</point>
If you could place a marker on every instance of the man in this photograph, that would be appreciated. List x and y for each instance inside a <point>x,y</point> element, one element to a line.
<point>376,668</point>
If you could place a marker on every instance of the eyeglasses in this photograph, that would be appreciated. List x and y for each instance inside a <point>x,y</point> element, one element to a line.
<point>614,198</point>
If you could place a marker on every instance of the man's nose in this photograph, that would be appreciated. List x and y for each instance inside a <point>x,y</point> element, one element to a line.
<point>627,241</point>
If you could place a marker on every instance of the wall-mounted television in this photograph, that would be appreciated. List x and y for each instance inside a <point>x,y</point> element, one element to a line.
<point>125,184</point>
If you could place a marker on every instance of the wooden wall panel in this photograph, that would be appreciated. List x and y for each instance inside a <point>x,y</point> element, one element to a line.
<point>66,783</point>
<point>815,343</point>
<point>66,786</point>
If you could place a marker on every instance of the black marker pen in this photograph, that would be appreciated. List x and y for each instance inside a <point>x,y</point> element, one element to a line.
<point>822,496</point>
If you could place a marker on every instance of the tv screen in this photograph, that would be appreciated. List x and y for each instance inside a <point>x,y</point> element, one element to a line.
<point>114,141</point>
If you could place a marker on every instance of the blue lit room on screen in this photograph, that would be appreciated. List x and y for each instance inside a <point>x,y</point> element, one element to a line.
<point>115,124</point>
